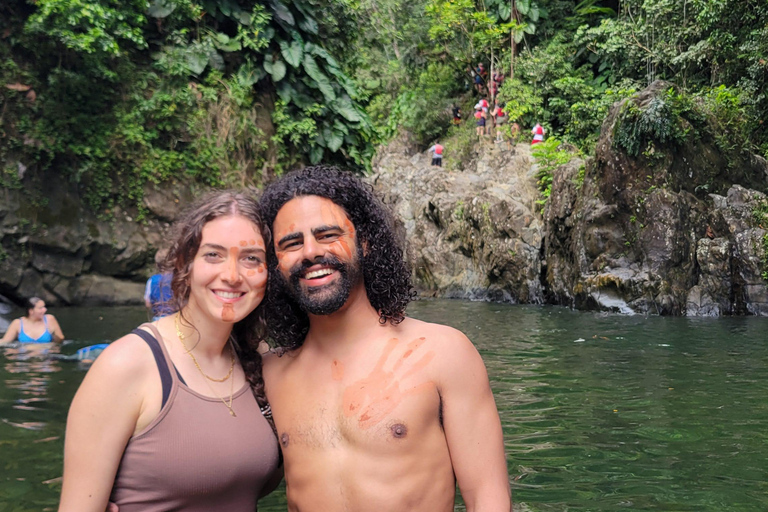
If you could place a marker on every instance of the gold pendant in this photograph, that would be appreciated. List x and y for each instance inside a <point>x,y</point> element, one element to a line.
<point>232,413</point>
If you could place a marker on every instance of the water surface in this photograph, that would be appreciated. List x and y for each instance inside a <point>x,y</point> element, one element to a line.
<point>600,412</point>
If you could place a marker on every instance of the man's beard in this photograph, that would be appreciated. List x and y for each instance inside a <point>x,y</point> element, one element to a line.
<point>327,299</point>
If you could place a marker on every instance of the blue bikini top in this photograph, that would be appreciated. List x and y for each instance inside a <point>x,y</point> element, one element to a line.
<point>46,337</point>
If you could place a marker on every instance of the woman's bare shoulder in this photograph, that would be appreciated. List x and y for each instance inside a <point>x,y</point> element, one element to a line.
<point>126,358</point>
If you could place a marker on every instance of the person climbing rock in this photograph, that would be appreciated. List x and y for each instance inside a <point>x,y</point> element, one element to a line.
<point>437,154</point>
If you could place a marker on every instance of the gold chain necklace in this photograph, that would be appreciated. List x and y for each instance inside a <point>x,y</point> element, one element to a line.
<point>197,365</point>
<point>194,359</point>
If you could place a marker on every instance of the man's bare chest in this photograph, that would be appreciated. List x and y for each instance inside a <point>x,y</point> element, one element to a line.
<point>392,397</point>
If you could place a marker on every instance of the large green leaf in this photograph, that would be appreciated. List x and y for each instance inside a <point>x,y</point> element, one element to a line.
<point>523,6</point>
<point>347,110</point>
<point>335,141</point>
<point>316,155</point>
<point>319,139</point>
<point>283,13</point>
<point>285,91</point>
<point>340,127</point>
<point>308,24</point>
<point>225,43</point>
<point>529,28</point>
<point>535,13</point>
<point>505,11</point>
<point>278,70</point>
<point>321,80</point>
<point>292,52</point>
<point>216,60</point>
<point>320,52</point>
<point>161,8</point>
<point>196,62</point>
<point>244,18</point>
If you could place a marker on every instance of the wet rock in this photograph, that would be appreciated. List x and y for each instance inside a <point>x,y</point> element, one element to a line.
<point>59,250</point>
<point>670,231</point>
<point>98,290</point>
<point>472,234</point>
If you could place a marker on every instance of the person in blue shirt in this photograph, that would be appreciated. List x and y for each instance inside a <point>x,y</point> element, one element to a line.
<point>158,294</point>
<point>36,327</point>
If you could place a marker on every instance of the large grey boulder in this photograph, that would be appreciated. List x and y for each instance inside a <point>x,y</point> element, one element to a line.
<point>474,233</point>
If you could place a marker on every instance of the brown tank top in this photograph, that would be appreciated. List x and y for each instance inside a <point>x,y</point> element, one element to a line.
<point>195,456</point>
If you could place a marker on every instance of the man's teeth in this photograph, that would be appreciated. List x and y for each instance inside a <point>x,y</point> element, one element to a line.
<point>318,273</point>
<point>229,295</point>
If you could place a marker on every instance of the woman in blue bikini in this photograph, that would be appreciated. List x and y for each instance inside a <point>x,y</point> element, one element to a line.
<point>36,327</point>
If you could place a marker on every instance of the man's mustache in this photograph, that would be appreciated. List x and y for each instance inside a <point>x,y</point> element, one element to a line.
<point>331,261</point>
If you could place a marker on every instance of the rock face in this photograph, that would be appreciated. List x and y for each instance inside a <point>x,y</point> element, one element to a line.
<point>59,251</point>
<point>678,229</point>
<point>671,231</point>
<point>471,234</point>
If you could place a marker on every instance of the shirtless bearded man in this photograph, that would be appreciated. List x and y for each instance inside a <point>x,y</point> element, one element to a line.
<point>374,411</point>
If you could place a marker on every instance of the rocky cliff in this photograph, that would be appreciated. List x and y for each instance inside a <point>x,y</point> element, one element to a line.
<point>677,228</point>
<point>674,230</point>
<point>54,248</point>
<point>471,234</point>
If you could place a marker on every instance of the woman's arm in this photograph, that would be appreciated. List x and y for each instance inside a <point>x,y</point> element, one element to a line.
<point>12,333</point>
<point>55,329</point>
<point>102,418</point>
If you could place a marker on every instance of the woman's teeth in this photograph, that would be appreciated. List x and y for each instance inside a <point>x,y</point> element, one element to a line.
<point>228,295</point>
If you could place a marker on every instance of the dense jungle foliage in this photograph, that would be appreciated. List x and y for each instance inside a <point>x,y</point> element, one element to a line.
<point>116,94</point>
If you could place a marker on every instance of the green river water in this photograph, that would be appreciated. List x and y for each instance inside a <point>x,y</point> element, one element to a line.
<point>601,412</point>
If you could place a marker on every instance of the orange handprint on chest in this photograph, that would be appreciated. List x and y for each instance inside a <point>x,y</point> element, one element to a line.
<point>372,399</point>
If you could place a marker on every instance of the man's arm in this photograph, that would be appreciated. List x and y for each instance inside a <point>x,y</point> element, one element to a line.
<point>472,427</point>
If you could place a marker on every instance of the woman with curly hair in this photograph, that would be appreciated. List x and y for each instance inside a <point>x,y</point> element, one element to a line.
<point>373,410</point>
<point>173,416</point>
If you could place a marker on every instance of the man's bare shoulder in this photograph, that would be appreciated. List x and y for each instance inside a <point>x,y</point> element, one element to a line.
<point>443,334</point>
<point>276,360</point>
<point>455,355</point>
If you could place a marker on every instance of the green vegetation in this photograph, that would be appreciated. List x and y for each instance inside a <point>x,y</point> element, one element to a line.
<point>116,95</point>
<point>765,257</point>
<point>550,155</point>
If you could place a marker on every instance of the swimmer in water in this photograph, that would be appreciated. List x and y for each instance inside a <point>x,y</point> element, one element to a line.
<point>36,327</point>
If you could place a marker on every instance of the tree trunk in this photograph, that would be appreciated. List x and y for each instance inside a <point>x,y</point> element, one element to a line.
<point>490,83</point>
<point>512,44</point>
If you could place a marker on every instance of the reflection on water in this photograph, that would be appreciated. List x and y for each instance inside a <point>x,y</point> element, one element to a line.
<point>31,366</point>
<point>600,412</point>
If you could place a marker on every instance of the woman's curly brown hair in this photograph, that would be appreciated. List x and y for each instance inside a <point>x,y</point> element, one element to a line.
<point>188,233</point>
<point>386,275</point>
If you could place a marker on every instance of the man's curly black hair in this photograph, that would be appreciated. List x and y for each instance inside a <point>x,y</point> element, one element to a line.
<point>386,275</point>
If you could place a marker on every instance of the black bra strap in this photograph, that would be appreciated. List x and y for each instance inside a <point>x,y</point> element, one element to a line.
<point>162,364</point>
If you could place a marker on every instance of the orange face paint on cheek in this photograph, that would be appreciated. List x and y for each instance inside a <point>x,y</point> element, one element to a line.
<point>250,273</point>
<point>344,247</point>
<point>228,313</point>
<point>349,227</point>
